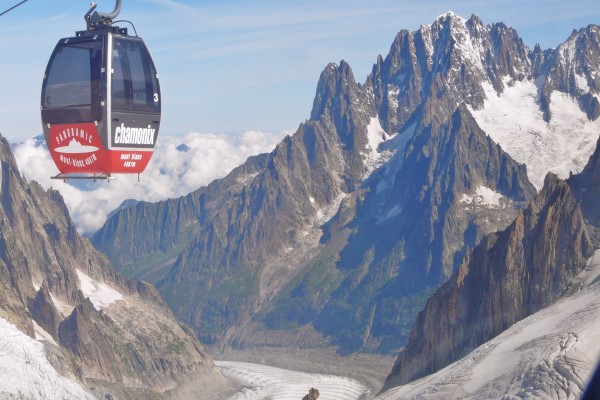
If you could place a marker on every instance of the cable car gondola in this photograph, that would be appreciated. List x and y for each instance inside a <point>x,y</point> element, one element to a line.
<point>100,101</point>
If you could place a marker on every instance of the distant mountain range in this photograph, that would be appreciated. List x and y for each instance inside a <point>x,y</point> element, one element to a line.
<point>340,235</point>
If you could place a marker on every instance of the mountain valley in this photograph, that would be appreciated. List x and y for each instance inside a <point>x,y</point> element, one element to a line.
<point>338,236</point>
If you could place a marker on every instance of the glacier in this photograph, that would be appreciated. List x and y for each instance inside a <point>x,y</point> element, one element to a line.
<point>26,373</point>
<point>549,355</point>
<point>514,120</point>
<point>264,382</point>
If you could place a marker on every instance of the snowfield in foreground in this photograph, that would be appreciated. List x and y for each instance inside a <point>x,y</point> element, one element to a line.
<point>549,355</point>
<point>264,382</point>
<point>25,372</point>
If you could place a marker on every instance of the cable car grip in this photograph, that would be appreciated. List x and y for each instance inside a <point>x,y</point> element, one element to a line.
<point>95,19</point>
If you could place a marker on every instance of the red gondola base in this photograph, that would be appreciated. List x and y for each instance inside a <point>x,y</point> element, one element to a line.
<point>77,150</point>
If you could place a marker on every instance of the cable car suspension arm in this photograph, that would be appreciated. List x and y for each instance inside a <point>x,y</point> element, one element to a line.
<point>95,19</point>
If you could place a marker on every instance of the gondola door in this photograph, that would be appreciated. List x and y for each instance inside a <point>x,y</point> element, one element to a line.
<point>134,105</point>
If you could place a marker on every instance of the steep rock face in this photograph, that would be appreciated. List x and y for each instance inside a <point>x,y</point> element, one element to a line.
<point>446,159</point>
<point>586,187</point>
<point>162,229</point>
<point>81,336</point>
<point>248,226</point>
<point>49,272</point>
<point>394,254</point>
<point>326,163</point>
<point>44,312</point>
<point>29,227</point>
<point>508,276</point>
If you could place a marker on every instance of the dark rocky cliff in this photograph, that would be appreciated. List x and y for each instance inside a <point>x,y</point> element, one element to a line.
<point>507,277</point>
<point>586,187</point>
<point>389,259</point>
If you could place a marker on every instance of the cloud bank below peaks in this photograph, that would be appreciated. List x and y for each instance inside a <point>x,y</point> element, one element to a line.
<point>179,166</point>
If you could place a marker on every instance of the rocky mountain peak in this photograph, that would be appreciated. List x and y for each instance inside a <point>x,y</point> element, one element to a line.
<point>474,22</point>
<point>571,68</point>
<point>538,57</point>
<point>465,54</point>
<point>458,35</point>
<point>339,229</point>
<point>580,56</point>
<point>450,19</point>
<point>44,312</point>
<point>335,82</point>
<point>81,336</point>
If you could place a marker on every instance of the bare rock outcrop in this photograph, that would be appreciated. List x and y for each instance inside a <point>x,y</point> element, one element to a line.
<point>81,336</point>
<point>44,312</point>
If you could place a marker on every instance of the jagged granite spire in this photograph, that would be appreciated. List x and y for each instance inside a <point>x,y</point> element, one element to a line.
<point>586,187</point>
<point>463,53</point>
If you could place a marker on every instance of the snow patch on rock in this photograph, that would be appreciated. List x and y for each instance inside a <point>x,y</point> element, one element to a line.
<point>483,196</point>
<point>395,147</point>
<point>100,294</point>
<point>375,136</point>
<point>63,308</point>
<point>41,334</point>
<point>325,214</point>
<point>515,121</point>
<point>393,212</point>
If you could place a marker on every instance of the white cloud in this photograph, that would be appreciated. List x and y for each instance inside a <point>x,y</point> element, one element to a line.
<point>172,172</point>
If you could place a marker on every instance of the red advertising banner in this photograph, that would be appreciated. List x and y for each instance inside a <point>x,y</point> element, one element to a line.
<point>77,149</point>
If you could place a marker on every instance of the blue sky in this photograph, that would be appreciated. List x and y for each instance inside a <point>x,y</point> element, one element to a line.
<point>231,66</point>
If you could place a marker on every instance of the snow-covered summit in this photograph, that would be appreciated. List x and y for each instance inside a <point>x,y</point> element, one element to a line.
<point>542,107</point>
